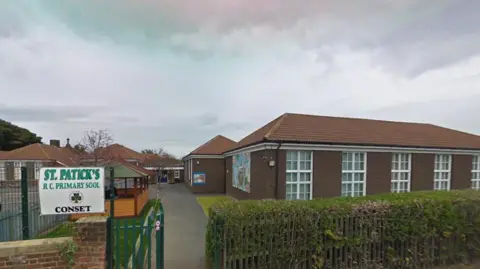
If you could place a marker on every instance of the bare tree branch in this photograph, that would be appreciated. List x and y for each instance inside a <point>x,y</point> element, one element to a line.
<point>95,142</point>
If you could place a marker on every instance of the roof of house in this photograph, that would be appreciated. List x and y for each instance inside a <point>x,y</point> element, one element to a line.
<point>300,128</point>
<point>155,160</point>
<point>40,151</point>
<point>215,146</point>
<point>118,151</point>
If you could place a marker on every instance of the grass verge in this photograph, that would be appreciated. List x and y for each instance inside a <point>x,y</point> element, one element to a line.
<point>207,201</point>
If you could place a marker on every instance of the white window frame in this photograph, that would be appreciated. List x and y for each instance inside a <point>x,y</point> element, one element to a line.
<point>476,172</point>
<point>354,171</point>
<point>298,172</point>
<point>438,170</point>
<point>17,170</point>
<point>398,171</point>
<point>176,174</point>
<point>3,171</point>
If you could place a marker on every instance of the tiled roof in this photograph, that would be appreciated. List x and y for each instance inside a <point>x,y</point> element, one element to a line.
<point>217,145</point>
<point>354,131</point>
<point>41,152</point>
<point>118,151</point>
<point>155,160</point>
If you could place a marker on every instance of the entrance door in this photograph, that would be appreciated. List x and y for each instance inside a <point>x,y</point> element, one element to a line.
<point>137,242</point>
<point>164,178</point>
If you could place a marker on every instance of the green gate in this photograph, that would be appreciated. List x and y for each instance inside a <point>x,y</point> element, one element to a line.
<point>136,243</point>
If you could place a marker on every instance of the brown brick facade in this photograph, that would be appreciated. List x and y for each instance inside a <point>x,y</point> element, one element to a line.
<point>262,176</point>
<point>379,172</point>
<point>327,174</point>
<point>422,172</point>
<point>45,253</point>
<point>461,171</point>
<point>214,170</point>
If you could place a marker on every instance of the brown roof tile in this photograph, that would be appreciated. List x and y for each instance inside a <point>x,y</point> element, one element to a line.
<point>354,131</point>
<point>118,151</point>
<point>155,160</point>
<point>217,145</point>
<point>41,152</point>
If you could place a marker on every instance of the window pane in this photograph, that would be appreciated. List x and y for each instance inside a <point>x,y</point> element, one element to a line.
<point>291,177</point>
<point>395,166</point>
<point>349,166</point>
<point>292,156</point>
<point>358,177</point>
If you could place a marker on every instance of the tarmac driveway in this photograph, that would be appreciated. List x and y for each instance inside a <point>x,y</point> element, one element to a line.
<point>185,225</point>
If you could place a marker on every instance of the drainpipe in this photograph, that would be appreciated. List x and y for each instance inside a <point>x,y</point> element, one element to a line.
<point>276,170</point>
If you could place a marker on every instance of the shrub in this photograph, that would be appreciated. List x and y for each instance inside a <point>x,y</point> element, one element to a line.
<point>412,230</point>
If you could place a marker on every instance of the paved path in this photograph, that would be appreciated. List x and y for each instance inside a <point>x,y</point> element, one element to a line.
<point>184,227</point>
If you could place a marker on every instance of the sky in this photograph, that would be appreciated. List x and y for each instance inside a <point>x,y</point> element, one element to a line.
<point>173,74</point>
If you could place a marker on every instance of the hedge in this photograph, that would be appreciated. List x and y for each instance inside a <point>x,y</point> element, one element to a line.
<point>411,230</point>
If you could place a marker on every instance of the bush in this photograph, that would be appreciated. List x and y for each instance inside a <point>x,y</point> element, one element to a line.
<point>412,230</point>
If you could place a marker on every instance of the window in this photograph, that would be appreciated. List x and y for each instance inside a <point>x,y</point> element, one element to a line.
<point>17,170</point>
<point>353,174</point>
<point>3,171</point>
<point>38,165</point>
<point>176,174</point>
<point>401,167</point>
<point>441,180</point>
<point>299,175</point>
<point>476,173</point>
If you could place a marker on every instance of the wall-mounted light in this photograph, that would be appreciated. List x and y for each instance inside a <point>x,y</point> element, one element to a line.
<point>271,163</point>
<point>198,162</point>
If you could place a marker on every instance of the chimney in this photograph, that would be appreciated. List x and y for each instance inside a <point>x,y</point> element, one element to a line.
<point>68,143</point>
<point>55,142</point>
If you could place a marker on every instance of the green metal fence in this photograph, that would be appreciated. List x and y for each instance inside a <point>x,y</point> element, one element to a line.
<point>138,243</point>
<point>20,208</point>
<point>135,242</point>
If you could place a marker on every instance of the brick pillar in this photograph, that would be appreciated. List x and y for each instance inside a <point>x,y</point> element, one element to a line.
<point>91,240</point>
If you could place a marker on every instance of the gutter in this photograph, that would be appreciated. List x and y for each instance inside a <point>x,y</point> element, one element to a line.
<point>276,170</point>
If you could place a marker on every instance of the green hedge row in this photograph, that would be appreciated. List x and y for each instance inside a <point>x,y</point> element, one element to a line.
<point>411,230</point>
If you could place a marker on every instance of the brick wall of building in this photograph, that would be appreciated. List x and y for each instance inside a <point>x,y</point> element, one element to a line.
<point>45,253</point>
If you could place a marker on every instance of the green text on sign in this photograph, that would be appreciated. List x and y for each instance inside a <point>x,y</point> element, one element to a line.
<point>78,178</point>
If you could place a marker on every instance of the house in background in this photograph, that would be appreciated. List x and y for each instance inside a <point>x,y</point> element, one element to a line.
<point>164,165</point>
<point>305,156</point>
<point>205,166</point>
<point>34,157</point>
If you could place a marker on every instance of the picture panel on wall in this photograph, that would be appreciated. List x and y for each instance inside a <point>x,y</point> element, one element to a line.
<point>241,171</point>
<point>199,178</point>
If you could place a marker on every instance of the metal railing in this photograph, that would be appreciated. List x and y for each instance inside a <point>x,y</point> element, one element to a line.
<point>20,207</point>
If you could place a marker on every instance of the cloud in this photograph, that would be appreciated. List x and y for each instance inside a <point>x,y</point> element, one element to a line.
<point>176,73</point>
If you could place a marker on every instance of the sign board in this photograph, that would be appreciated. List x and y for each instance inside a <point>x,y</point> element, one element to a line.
<point>72,190</point>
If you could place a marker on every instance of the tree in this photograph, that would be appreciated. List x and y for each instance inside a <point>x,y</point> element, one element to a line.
<point>80,148</point>
<point>160,152</point>
<point>13,136</point>
<point>95,143</point>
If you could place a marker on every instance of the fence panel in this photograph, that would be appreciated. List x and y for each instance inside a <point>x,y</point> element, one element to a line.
<point>17,210</point>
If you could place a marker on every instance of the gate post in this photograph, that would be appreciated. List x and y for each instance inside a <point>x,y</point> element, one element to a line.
<point>110,223</point>
<point>25,208</point>
<point>160,237</point>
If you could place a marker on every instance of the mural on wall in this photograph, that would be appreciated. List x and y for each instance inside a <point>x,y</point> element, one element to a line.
<point>199,178</point>
<point>241,171</point>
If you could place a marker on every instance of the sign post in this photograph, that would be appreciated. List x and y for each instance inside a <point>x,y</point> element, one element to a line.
<point>72,190</point>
